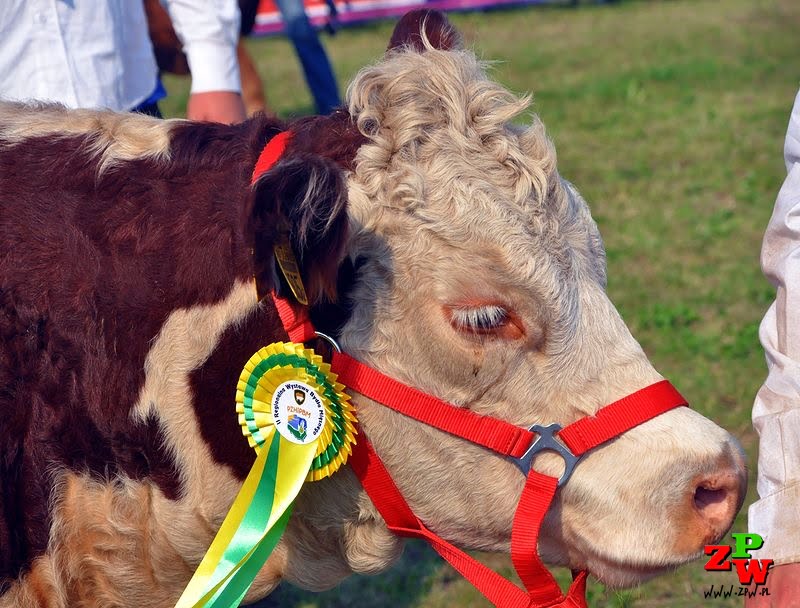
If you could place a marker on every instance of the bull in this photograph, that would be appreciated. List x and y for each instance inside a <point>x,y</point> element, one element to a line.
<point>437,242</point>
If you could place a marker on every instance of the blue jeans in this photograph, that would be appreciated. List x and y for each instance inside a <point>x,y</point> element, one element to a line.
<point>317,68</point>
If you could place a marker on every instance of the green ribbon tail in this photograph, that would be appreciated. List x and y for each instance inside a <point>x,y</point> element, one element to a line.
<point>232,594</point>
<point>243,551</point>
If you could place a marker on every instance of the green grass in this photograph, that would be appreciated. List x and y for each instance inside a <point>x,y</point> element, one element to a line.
<point>669,117</point>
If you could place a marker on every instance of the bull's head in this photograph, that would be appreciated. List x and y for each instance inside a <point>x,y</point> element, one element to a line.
<point>475,273</point>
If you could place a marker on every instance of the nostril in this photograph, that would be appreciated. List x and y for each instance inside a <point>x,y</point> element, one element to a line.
<point>712,503</point>
<point>709,505</point>
<point>715,500</point>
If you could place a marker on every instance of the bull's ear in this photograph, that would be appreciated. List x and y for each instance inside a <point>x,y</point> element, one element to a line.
<point>302,198</point>
<point>421,25</point>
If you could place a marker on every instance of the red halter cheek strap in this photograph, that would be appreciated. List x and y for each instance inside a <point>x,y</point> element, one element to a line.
<point>501,437</point>
<point>505,439</point>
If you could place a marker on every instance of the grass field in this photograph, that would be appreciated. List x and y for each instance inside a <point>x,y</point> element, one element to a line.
<point>669,117</point>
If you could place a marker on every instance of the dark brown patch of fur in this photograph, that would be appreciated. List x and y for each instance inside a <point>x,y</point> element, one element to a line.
<point>90,268</point>
<point>438,30</point>
<point>322,146</point>
<point>214,386</point>
<point>335,137</point>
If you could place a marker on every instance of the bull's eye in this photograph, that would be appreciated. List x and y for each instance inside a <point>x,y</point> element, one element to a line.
<point>479,319</point>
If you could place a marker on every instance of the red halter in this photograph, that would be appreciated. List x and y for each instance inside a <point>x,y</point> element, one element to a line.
<point>518,444</point>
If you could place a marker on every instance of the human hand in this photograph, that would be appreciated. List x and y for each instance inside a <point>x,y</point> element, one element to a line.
<point>783,583</point>
<point>216,106</point>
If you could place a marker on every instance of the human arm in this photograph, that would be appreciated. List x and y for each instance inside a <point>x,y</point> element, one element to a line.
<point>209,32</point>
<point>776,413</point>
<point>216,106</point>
<point>783,586</point>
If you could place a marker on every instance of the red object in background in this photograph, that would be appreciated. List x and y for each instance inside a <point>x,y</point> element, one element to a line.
<point>268,19</point>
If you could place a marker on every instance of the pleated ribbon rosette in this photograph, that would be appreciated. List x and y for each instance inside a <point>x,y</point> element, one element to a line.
<point>302,426</point>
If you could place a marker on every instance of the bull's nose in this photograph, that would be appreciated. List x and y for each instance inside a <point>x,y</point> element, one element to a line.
<point>717,497</point>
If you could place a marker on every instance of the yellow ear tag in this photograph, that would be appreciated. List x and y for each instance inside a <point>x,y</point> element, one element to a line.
<point>288,265</point>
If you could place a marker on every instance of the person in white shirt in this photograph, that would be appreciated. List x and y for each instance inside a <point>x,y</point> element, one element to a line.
<point>91,54</point>
<point>776,413</point>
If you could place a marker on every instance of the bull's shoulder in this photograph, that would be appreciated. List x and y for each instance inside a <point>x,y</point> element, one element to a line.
<point>82,190</point>
<point>111,135</point>
<point>110,226</point>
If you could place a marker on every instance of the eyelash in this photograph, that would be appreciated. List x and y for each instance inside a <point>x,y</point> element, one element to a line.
<point>479,320</point>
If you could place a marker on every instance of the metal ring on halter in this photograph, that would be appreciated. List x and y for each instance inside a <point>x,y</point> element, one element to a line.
<point>329,340</point>
<point>547,441</point>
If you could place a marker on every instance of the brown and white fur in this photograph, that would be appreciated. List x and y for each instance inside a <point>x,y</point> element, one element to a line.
<point>462,264</point>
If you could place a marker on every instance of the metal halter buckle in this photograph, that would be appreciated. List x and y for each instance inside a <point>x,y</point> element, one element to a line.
<point>547,441</point>
<point>329,340</point>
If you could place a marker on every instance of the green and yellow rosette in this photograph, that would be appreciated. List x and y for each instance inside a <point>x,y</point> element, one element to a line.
<point>302,426</point>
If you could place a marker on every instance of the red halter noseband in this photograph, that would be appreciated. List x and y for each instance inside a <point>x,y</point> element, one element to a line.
<point>518,444</point>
